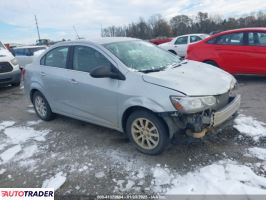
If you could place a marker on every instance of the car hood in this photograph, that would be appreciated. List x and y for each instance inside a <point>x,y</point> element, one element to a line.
<point>193,79</point>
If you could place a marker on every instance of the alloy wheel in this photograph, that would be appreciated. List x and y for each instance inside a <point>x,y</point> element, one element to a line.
<point>145,133</point>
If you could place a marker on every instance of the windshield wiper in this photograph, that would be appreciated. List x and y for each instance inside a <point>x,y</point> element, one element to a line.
<point>152,70</point>
<point>185,62</point>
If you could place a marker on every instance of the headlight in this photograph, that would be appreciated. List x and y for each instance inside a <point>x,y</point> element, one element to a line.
<point>14,61</point>
<point>193,104</point>
<point>233,83</point>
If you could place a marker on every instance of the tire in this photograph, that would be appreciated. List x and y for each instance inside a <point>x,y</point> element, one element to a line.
<point>210,62</point>
<point>142,139</point>
<point>42,107</point>
<point>16,84</point>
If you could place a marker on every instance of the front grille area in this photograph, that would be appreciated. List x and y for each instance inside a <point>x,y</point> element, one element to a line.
<point>5,80</point>
<point>5,67</point>
<point>222,101</point>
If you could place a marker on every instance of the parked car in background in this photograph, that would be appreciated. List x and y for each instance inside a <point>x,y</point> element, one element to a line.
<point>26,54</point>
<point>239,51</point>
<point>158,41</point>
<point>131,86</point>
<point>180,44</point>
<point>9,68</point>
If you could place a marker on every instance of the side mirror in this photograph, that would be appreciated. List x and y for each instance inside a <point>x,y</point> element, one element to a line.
<point>107,72</point>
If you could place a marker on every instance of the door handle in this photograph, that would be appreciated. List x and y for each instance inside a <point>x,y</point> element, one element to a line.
<point>43,74</point>
<point>73,81</point>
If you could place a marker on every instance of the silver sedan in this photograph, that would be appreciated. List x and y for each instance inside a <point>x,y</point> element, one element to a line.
<point>131,86</point>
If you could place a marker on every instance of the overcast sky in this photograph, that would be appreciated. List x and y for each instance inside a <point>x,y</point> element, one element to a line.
<point>57,17</point>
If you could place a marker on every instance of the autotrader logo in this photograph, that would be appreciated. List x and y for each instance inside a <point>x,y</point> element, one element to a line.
<point>27,193</point>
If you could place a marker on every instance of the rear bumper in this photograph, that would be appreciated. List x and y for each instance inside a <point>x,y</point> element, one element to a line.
<point>10,77</point>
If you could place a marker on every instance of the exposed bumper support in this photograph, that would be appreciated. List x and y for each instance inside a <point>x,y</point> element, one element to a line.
<point>198,124</point>
<point>221,116</point>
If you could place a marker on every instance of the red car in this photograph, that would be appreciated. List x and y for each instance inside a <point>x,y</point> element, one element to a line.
<point>239,51</point>
<point>158,41</point>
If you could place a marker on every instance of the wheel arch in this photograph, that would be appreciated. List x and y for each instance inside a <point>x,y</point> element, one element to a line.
<point>172,51</point>
<point>208,61</point>
<point>132,109</point>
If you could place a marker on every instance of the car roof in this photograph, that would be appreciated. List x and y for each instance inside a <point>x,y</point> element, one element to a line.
<point>241,30</point>
<point>197,34</point>
<point>100,41</point>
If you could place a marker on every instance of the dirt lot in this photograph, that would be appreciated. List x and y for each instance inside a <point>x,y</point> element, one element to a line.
<point>80,158</point>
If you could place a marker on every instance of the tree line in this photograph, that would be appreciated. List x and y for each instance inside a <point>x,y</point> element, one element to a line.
<point>157,26</point>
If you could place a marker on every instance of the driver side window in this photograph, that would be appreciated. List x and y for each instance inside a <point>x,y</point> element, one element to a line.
<point>86,58</point>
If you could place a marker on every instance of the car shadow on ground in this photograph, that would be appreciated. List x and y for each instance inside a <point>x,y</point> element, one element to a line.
<point>250,78</point>
<point>5,88</point>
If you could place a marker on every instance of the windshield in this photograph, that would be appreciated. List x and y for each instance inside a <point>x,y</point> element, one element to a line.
<point>142,56</point>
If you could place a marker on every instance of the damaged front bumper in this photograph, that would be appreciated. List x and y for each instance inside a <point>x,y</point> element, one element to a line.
<point>224,114</point>
<point>198,124</point>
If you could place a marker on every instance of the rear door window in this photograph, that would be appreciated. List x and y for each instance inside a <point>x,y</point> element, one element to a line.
<point>230,39</point>
<point>257,38</point>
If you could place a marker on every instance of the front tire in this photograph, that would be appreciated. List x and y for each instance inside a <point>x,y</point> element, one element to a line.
<point>147,132</point>
<point>42,107</point>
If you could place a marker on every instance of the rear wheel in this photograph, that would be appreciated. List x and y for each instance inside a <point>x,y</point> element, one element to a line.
<point>41,106</point>
<point>147,132</point>
<point>210,62</point>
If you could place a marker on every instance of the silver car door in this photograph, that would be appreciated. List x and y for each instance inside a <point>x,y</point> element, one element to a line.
<point>55,78</point>
<point>94,99</point>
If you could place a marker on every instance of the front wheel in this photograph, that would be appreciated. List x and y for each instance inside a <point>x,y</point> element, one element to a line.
<point>42,107</point>
<point>147,132</point>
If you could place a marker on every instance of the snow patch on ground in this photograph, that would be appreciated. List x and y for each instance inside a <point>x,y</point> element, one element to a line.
<point>55,182</point>
<point>23,134</point>
<point>257,152</point>
<point>215,179</point>
<point>2,146</point>
<point>29,151</point>
<point>2,171</point>
<point>31,111</point>
<point>6,124</point>
<point>10,153</point>
<point>250,127</point>
<point>33,123</point>
<point>162,178</point>
<point>26,140</point>
<point>99,174</point>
